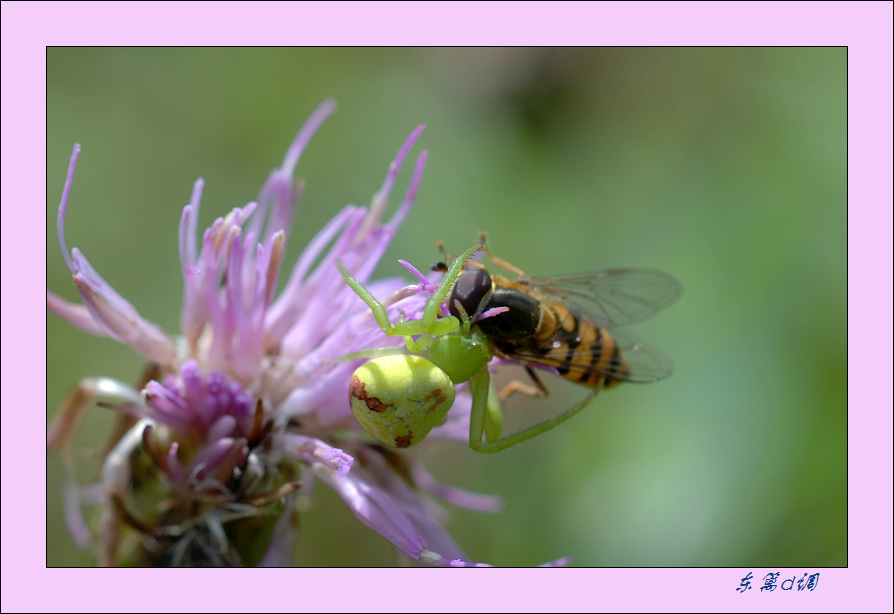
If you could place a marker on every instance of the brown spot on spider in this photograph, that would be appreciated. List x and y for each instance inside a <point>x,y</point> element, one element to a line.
<point>433,399</point>
<point>358,391</point>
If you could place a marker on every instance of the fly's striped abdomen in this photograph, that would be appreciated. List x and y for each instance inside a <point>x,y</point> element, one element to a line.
<point>537,327</point>
<point>582,352</point>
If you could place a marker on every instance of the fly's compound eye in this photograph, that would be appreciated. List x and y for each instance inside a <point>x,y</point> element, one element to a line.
<point>471,290</point>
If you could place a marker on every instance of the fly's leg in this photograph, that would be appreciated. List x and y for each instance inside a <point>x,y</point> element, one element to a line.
<point>499,261</point>
<point>538,390</point>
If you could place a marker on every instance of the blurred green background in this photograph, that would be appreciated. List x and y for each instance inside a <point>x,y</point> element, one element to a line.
<point>726,167</point>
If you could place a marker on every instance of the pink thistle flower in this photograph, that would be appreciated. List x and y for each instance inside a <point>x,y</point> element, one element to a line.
<point>247,407</point>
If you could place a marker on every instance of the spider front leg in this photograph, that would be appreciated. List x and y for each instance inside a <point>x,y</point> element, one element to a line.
<point>485,420</point>
<point>405,329</point>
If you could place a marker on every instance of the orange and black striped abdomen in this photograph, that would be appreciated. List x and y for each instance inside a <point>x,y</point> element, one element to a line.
<point>579,350</point>
<point>537,331</point>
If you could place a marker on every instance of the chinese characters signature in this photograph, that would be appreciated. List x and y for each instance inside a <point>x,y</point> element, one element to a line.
<point>807,582</point>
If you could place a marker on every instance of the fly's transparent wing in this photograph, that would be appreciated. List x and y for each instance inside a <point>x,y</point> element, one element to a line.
<point>647,364</point>
<point>615,297</point>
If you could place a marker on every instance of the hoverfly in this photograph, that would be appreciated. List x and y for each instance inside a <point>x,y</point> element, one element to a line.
<point>563,322</point>
<point>557,323</point>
